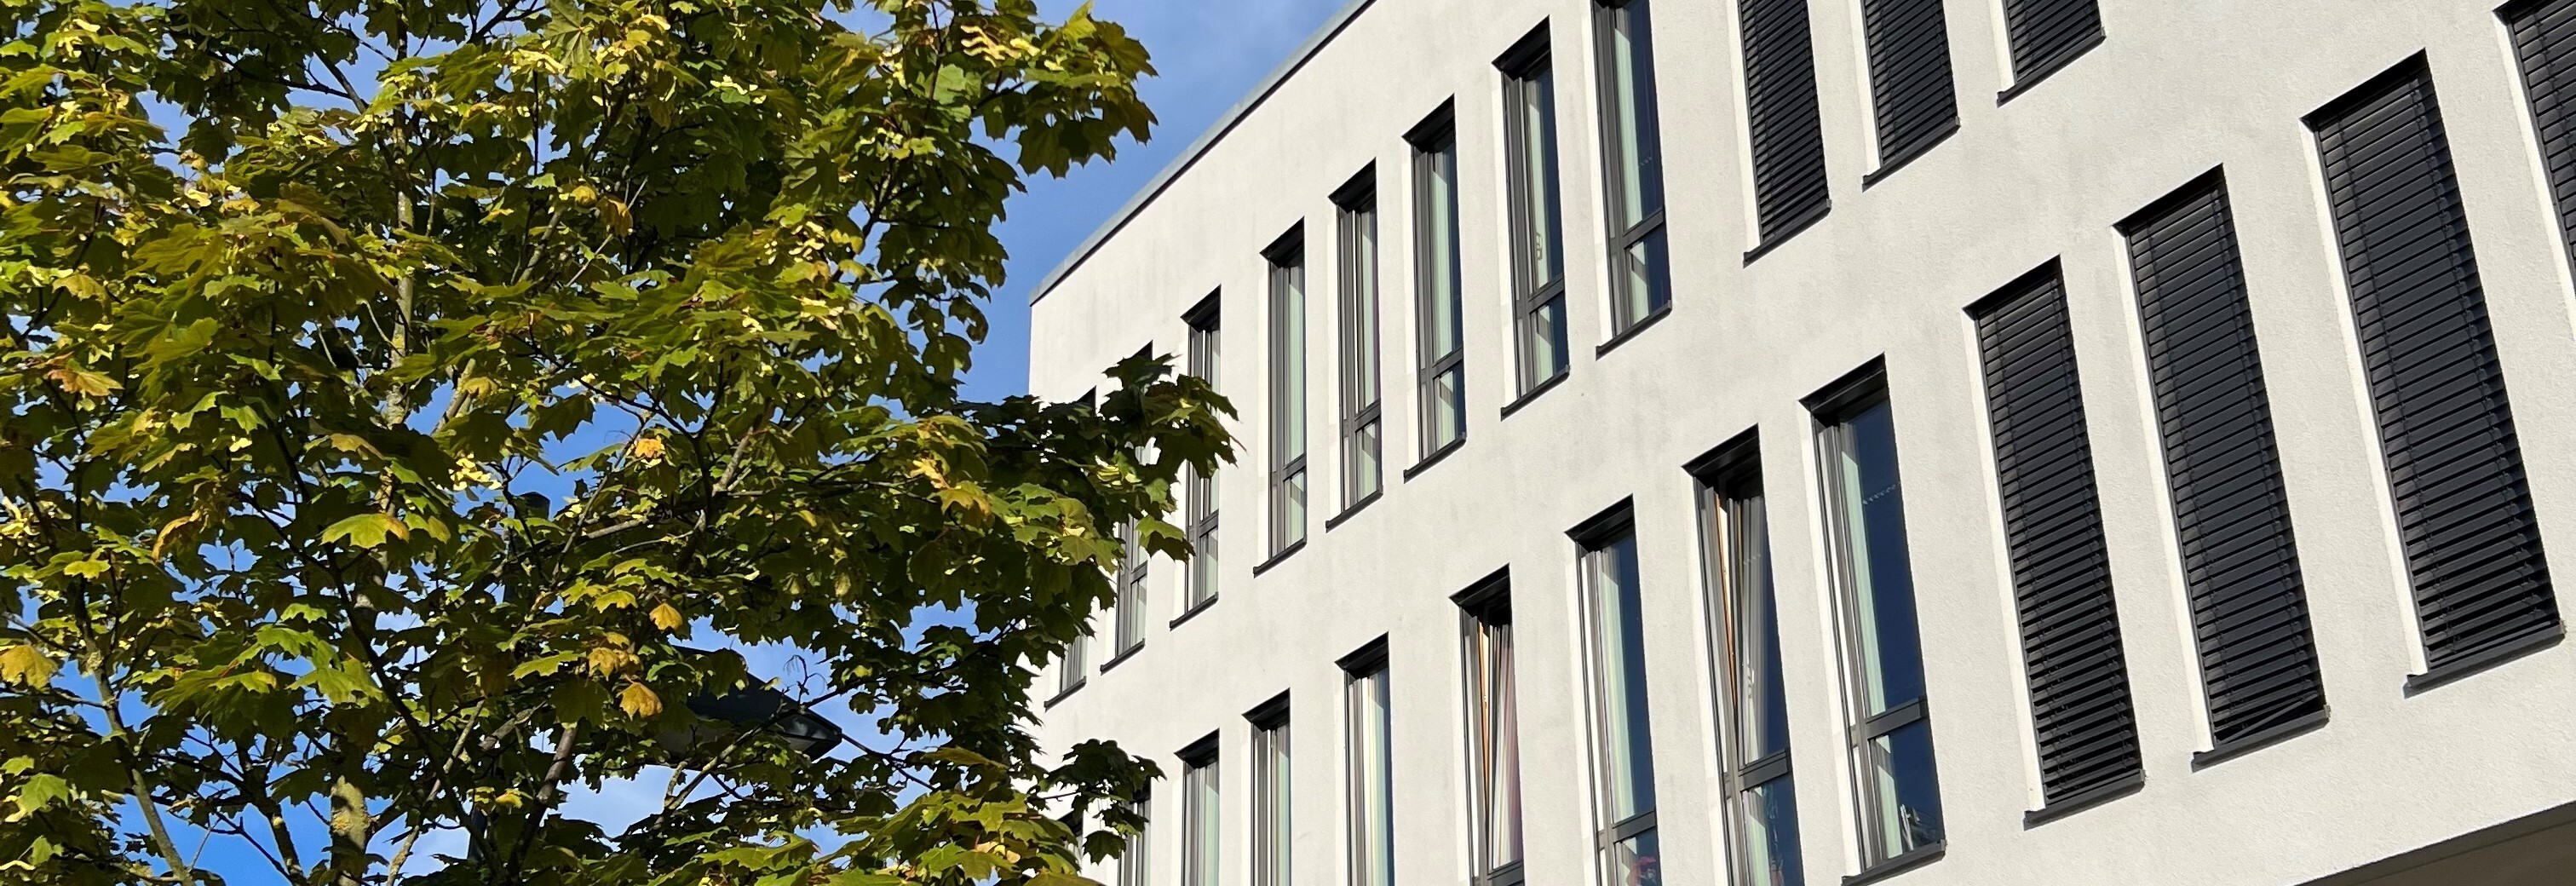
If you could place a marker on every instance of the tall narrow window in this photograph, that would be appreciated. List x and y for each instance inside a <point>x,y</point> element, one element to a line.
<point>1271,826</point>
<point>2446,432</point>
<point>1909,76</point>
<point>1201,833</point>
<point>2046,34</point>
<point>1632,138</point>
<point>1624,752</point>
<point>2061,566</point>
<point>1788,129</point>
<point>1287,392</point>
<point>1135,864</point>
<point>2544,38</point>
<point>1363,423</point>
<point>1436,271</point>
<point>1205,355</point>
<point>2249,604</point>
<point>1890,725</point>
<point>1371,777</point>
<point>1131,589</point>
<point>1762,802</point>
<point>1076,664</point>
<point>1493,733</point>
<point>1538,236</point>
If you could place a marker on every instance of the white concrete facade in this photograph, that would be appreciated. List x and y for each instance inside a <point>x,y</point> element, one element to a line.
<point>2178,87</point>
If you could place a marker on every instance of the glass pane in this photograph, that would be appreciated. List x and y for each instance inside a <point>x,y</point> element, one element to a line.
<point>1546,346</point>
<point>1535,116</point>
<point>1076,663</point>
<point>1372,784</point>
<point>1645,278</point>
<point>1204,565</point>
<point>1199,865</point>
<point>1359,310</point>
<point>1636,861</point>
<point>1628,770</point>
<point>1288,362</point>
<point>1906,791</point>
<point>1362,457</point>
<point>1873,505</point>
<point>1640,158</point>
<point>1769,813</point>
<point>1448,408</point>
<point>1437,252</point>
<point>1496,744</point>
<point>1270,822</point>
<point>1292,509</point>
<point>1135,864</point>
<point>1761,709</point>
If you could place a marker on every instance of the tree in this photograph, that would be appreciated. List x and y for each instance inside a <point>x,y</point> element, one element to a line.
<point>382,442</point>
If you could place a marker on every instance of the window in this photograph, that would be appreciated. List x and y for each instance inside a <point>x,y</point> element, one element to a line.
<point>1493,733</point>
<point>1787,126</point>
<point>1076,664</point>
<point>2061,565</point>
<point>1762,803</point>
<point>1890,724</point>
<point>2046,34</point>
<point>1131,589</point>
<point>1538,235</point>
<point>1270,807</point>
<point>1200,489</point>
<point>2249,604</point>
<point>1641,281</point>
<point>1436,284</point>
<point>1135,865</point>
<point>1909,77</point>
<point>2446,432</point>
<point>1363,423</point>
<point>1371,775</point>
<point>2544,32</point>
<point>1623,750</point>
<point>1287,392</point>
<point>1199,807</point>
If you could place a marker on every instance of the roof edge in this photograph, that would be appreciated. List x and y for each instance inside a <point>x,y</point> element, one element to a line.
<point>1162,181</point>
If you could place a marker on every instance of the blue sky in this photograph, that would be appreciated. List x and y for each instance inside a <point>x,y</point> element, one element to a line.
<point>1211,53</point>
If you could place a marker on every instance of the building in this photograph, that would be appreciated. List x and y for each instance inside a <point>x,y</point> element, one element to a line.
<point>1778,442</point>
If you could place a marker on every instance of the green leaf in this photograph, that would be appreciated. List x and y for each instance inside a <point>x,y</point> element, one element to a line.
<point>365,530</point>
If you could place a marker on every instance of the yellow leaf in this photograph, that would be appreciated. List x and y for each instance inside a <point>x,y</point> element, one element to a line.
<point>84,382</point>
<point>27,666</point>
<point>647,448</point>
<point>605,660</point>
<point>639,701</point>
<point>612,213</point>
<point>667,618</point>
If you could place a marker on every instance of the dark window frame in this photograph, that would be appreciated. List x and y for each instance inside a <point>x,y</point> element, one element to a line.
<point>1891,101</point>
<point>1291,486</point>
<point>1363,670</point>
<point>1833,411</point>
<point>1485,630</point>
<point>1540,316</point>
<point>1593,538</point>
<point>1362,359</point>
<point>1435,155</point>
<point>1610,19</point>
<point>1729,487</point>
<point>1199,768</point>
<point>1272,843</point>
<point>1206,348</point>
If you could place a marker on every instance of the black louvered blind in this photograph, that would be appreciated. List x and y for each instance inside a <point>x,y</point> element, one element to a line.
<point>1788,134</point>
<point>2544,37</point>
<point>2249,606</point>
<point>2454,466</point>
<point>2049,33</point>
<point>1909,74</point>
<point>2070,633</point>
